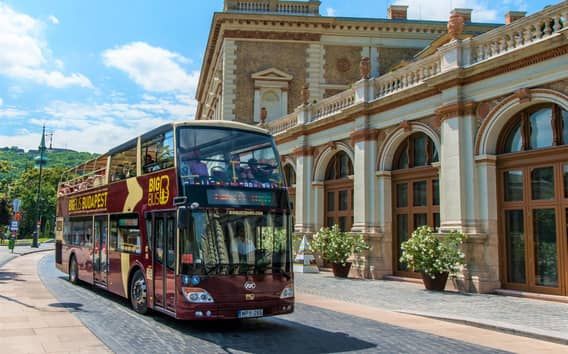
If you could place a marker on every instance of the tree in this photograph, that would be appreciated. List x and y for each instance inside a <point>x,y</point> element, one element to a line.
<point>4,212</point>
<point>25,188</point>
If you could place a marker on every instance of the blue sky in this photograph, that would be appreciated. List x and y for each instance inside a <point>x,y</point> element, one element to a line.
<point>97,73</point>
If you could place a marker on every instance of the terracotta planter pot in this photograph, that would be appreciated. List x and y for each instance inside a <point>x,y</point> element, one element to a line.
<point>437,284</point>
<point>341,271</point>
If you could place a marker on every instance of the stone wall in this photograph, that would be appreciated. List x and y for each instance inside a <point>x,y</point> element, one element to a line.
<point>341,64</point>
<point>390,57</point>
<point>253,57</point>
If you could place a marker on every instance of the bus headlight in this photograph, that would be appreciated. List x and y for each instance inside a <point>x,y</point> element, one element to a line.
<point>288,292</point>
<point>197,295</point>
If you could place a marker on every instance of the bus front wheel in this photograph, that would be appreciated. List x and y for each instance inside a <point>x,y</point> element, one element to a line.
<point>73,271</point>
<point>138,293</point>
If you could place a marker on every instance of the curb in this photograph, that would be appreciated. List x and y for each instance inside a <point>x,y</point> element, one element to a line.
<point>15,255</point>
<point>494,326</point>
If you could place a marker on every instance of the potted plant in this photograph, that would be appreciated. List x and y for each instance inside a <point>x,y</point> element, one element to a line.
<point>433,255</point>
<point>336,246</point>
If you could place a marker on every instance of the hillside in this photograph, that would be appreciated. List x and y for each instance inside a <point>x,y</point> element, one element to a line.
<point>19,160</point>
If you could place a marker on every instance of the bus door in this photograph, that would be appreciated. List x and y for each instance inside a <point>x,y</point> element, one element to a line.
<point>100,256</point>
<point>164,256</point>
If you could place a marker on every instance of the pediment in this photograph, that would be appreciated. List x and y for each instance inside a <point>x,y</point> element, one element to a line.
<point>272,74</point>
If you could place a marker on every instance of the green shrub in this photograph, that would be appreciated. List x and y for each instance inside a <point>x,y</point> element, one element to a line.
<point>336,246</point>
<point>431,253</point>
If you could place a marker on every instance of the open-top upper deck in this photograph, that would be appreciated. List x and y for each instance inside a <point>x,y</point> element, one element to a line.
<point>151,151</point>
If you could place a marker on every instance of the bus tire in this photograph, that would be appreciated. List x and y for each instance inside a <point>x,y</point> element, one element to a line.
<point>138,293</point>
<point>73,270</point>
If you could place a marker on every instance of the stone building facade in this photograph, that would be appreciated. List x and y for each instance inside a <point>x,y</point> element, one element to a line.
<point>469,132</point>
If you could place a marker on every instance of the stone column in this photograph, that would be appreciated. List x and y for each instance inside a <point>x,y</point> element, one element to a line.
<point>460,195</point>
<point>457,175</point>
<point>384,254</point>
<point>229,80</point>
<point>304,195</point>
<point>256,113</point>
<point>318,205</point>
<point>485,268</point>
<point>364,184</point>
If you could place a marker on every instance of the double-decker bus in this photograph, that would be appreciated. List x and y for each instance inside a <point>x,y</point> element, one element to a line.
<point>190,219</point>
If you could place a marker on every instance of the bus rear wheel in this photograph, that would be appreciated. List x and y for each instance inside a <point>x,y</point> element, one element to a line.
<point>73,271</point>
<point>138,293</point>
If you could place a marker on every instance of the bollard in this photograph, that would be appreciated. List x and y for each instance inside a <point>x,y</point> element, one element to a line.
<point>11,244</point>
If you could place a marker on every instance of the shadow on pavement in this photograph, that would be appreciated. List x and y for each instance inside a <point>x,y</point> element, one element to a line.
<point>70,306</point>
<point>9,276</point>
<point>270,334</point>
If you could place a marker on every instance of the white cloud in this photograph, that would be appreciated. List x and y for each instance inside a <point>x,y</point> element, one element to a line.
<point>11,112</point>
<point>483,10</point>
<point>330,11</point>
<point>25,55</point>
<point>154,68</point>
<point>1,101</point>
<point>54,20</point>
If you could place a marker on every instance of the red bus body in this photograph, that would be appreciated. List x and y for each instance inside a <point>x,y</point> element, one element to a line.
<point>147,201</point>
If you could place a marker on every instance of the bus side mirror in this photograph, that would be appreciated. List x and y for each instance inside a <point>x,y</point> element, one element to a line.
<point>183,218</point>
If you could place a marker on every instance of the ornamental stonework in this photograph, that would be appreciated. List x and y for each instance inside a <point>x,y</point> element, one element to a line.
<point>433,122</point>
<point>560,86</point>
<point>390,57</point>
<point>341,64</point>
<point>484,107</point>
<point>253,57</point>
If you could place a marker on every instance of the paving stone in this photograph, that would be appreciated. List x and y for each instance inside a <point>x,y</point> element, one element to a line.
<point>309,330</point>
<point>531,316</point>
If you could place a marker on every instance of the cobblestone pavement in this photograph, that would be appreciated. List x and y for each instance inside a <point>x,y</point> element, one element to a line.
<point>308,330</point>
<point>527,316</point>
<point>6,255</point>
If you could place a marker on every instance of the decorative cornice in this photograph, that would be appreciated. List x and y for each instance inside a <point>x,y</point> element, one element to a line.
<point>288,36</point>
<point>459,109</point>
<point>367,134</point>
<point>303,151</point>
<point>516,65</point>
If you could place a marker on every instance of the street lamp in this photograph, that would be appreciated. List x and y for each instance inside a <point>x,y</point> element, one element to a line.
<point>41,160</point>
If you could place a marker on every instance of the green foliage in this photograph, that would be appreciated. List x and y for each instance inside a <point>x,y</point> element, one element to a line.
<point>336,246</point>
<point>19,179</point>
<point>433,254</point>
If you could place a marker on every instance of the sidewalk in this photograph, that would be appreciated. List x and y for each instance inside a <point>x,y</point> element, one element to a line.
<point>32,320</point>
<point>531,318</point>
<point>6,255</point>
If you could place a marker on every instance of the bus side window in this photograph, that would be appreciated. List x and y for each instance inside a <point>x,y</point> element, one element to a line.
<point>160,240</point>
<point>113,235</point>
<point>149,232</point>
<point>157,152</point>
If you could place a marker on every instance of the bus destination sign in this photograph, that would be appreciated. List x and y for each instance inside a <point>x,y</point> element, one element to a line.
<point>88,202</point>
<point>228,197</point>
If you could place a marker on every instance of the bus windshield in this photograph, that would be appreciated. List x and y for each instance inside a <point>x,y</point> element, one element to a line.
<point>218,156</point>
<point>221,241</point>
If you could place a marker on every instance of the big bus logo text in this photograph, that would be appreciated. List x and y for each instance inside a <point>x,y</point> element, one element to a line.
<point>95,201</point>
<point>158,190</point>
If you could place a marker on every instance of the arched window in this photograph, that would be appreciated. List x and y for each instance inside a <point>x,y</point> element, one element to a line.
<point>536,128</point>
<point>532,171</point>
<point>339,192</point>
<point>416,192</point>
<point>290,175</point>
<point>339,167</point>
<point>416,150</point>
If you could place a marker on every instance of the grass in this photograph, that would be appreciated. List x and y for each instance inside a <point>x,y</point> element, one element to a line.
<point>25,241</point>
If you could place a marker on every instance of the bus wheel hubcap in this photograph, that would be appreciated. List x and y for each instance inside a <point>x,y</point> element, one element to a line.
<point>139,292</point>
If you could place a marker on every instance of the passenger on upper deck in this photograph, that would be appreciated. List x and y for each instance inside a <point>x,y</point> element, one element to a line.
<point>149,164</point>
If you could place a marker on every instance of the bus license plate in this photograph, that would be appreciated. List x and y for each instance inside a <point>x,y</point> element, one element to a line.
<point>250,313</point>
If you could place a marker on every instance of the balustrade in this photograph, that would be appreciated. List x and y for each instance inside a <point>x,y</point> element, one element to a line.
<point>520,33</point>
